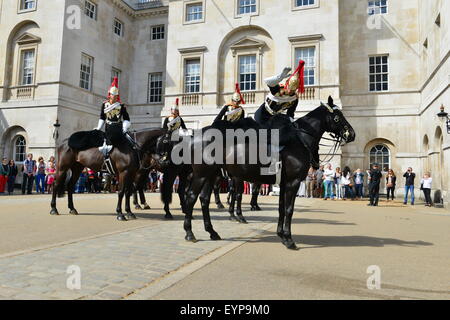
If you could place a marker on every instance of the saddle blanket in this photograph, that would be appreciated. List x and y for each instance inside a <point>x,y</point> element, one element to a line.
<point>84,140</point>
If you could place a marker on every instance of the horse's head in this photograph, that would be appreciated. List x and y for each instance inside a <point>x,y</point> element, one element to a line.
<point>163,149</point>
<point>336,123</point>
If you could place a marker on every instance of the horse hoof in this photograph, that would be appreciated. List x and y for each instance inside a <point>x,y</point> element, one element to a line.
<point>220,206</point>
<point>242,220</point>
<point>215,236</point>
<point>73,212</point>
<point>168,216</point>
<point>291,245</point>
<point>191,238</point>
<point>147,207</point>
<point>131,216</point>
<point>255,208</point>
<point>54,212</point>
<point>233,218</point>
<point>121,218</point>
<point>138,207</point>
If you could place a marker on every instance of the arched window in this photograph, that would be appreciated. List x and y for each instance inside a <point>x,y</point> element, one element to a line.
<point>20,149</point>
<point>381,155</point>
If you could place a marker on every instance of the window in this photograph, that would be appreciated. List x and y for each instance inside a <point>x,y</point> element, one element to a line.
<point>118,27</point>
<point>155,87</point>
<point>192,76</point>
<point>27,4</point>
<point>304,3</point>
<point>378,73</point>
<point>90,9</point>
<point>27,67</point>
<point>115,73</point>
<point>158,32</point>
<point>380,154</point>
<point>377,7</point>
<point>246,6</point>
<point>247,72</point>
<point>307,54</point>
<point>86,72</point>
<point>20,149</point>
<point>194,12</point>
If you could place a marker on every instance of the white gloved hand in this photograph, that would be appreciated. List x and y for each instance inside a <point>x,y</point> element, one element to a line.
<point>275,80</point>
<point>100,124</point>
<point>126,125</point>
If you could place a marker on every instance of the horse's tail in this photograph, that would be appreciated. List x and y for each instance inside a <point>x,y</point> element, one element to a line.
<point>66,175</point>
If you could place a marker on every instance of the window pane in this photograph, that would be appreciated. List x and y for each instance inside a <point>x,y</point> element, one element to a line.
<point>194,12</point>
<point>247,72</point>
<point>192,76</point>
<point>309,56</point>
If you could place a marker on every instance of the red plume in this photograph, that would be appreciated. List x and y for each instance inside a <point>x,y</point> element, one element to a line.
<point>301,75</point>
<point>238,90</point>
<point>115,83</point>
<point>177,101</point>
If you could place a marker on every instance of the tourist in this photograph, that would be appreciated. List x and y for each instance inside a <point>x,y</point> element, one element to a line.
<point>153,180</point>
<point>50,160</point>
<point>40,176</point>
<point>51,170</point>
<point>29,168</point>
<point>4,172</point>
<point>81,183</point>
<point>328,176</point>
<point>391,180</point>
<point>176,183</point>
<point>348,184</point>
<point>302,190</point>
<point>409,185</point>
<point>426,188</point>
<point>319,182</point>
<point>358,178</point>
<point>338,183</point>
<point>310,183</point>
<point>13,171</point>
<point>375,176</point>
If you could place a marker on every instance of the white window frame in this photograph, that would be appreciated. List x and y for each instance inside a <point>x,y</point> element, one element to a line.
<point>296,7</point>
<point>381,73</point>
<point>22,3</point>
<point>374,7</point>
<point>15,146</point>
<point>22,67</point>
<point>308,43</point>
<point>91,71</point>
<point>237,13</point>
<point>188,3</point>
<point>155,96</point>
<point>116,25</point>
<point>377,155</point>
<point>185,83</point>
<point>241,56</point>
<point>154,32</point>
<point>91,10</point>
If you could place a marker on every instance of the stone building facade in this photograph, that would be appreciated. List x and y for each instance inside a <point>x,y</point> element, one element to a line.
<point>385,62</point>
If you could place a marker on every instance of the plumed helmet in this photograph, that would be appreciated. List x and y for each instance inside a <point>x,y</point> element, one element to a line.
<point>237,96</point>
<point>114,89</point>
<point>176,107</point>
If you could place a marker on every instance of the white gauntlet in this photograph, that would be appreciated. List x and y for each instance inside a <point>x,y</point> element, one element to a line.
<point>275,80</point>
<point>100,124</point>
<point>126,125</point>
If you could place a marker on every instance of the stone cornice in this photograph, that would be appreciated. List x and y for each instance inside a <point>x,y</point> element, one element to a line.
<point>138,13</point>
<point>307,37</point>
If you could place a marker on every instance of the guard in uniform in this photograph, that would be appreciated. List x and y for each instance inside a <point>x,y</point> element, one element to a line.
<point>233,111</point>
<point>174,121</point>
<point>114,114</point>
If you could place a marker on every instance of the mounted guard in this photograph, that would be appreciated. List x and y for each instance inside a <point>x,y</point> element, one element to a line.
<point>116,119</point>
<point>174,121</point>
<point>233,111</point>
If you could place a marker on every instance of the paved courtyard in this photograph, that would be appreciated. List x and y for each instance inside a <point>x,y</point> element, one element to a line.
<point>149,259</point>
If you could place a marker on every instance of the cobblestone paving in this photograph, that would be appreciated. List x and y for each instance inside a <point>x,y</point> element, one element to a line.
<point>117,265</point>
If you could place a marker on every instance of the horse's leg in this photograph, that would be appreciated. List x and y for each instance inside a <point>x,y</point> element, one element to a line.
<point>135,201</point>
<point>281,211</point>
<point>216,188</point>
<point>168,180</point>
<point>289,202</point>
<point>236,181</point>
<point>76,171</point>
<point>143,200</point>
<point>182,189</point>
<point>191,197</point>
<point>239,191</point>
<point>205,199</point>
<point>121,186</point>
<point>129,190</point>
<point>58,190</point>
<point>255,192</point>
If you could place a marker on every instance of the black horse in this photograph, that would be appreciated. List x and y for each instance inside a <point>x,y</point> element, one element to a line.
<point>295,159</point>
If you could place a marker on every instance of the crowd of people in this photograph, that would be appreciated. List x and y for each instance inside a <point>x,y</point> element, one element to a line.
<point>325,182</point>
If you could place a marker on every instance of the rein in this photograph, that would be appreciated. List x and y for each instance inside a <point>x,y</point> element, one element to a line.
<point>337,143</point>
